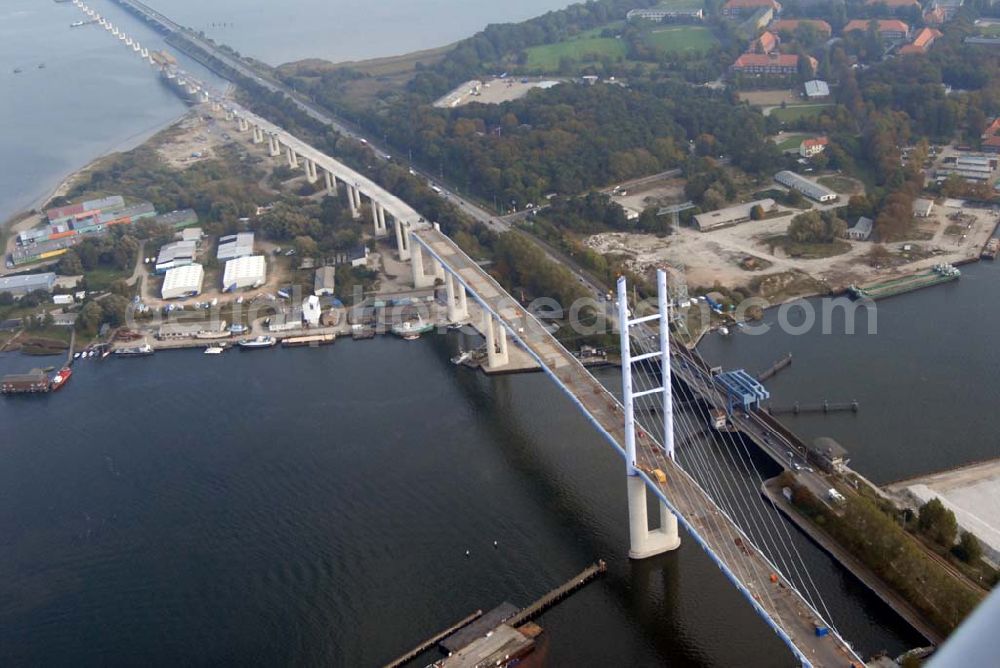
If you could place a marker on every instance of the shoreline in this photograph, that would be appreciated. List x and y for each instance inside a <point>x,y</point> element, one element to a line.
<point>68,179</point>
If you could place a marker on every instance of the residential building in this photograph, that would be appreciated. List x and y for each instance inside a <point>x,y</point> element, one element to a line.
<point>922,42</point>
<point>176,254</point>
<point>817,89</point>
<point>235,246</point>
<point>183,282</point>
<point>862,230</point>
<point>790,27</point>
<point>356,256</point>
<point>249,271</point>
<point>22,284</point>
<point>922,208</point>
<point>991,137</point>
<point>745,8</point>
<point>810,189</point>
<point>659,14</point>
<point>766,43</point>
<point>892,30</point>
<point>733,215</point>
<point>324,281</point>
<point>769,63</point>
<point>813,146</point>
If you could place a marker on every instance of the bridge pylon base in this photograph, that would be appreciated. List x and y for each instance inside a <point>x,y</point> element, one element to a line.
<point>643,541</point>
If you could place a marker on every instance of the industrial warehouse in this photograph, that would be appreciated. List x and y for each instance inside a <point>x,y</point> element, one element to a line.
<point>183,281</point>
<point>244,272</point>
<point>808,188</point>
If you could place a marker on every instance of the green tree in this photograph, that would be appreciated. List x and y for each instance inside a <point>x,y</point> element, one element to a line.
<point>90,317</point>
<point>69,264</point>
<point>6,299</point>
<point>757,212</point>
<point>937,523</point>
<point>969,548</point>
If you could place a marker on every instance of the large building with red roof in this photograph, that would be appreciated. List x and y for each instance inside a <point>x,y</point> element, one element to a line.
<point>789,26</point>
<point>991,137</point>
<point>891,29</point>
<point>922,42</point>
<point>769,63</point>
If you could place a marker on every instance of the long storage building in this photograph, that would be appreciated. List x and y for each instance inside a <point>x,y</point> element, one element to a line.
<point>23,284</point>
<point>183,282</point>
<point>235,246</point>
<point>810,189</point>
<point>244,272</point>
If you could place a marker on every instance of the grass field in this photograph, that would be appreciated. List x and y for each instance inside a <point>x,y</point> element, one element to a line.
<point>794,113</point>
<point>547,56</point>
<point>677,39</point>
<point>790,142</point>
<point>840,184</point>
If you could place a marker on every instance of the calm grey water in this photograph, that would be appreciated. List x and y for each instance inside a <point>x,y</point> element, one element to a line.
<point>93,96</point>
<point>339,30</point>
<point>314,507</point>
<point>926,382</point>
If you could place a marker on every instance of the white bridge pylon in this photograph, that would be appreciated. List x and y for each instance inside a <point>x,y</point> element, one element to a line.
<point>643,541</point>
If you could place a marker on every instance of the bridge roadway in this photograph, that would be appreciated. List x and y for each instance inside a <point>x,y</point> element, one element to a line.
<point>396,207</point>
<point>749,570</point>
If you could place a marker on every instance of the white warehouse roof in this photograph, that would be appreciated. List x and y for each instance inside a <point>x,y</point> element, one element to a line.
<point>235,245</point>
<point>244,272</point>
<point>810,189</point>
<point>183,281</point>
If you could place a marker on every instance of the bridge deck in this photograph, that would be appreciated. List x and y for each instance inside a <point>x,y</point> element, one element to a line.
<point>781,605</point>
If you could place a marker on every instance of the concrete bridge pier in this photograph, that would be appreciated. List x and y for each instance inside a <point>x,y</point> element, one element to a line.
<point>273,146</point>
<point>242,124</point>
<point>496,342</point>
<point>293,160</point>
<point>258,135</point>
<point>378,219</point>
<point>643,541</point>
<point>330,181</point>
<point>357,199</point>
<point>458,308</point>
<point>311,175</point>
<point>402,240</point>
<point>351,200</point>
<point>381,221</point>
<point>420,279</point>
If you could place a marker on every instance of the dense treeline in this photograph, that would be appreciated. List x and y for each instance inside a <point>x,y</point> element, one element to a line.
<point>574,137</point>
<point>219,190</point>
<point>878,541</point>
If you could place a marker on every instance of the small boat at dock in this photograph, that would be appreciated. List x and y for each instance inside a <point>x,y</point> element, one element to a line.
<point>60,378</point>
<point>258,342</point>
<point>412,329</point>
<point>214,350</point>
<point>316,340</point>
<point>138,351</point>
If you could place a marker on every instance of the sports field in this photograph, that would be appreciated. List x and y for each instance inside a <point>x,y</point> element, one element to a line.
<point>794,113</point>
<point>547,56</point>
<point>676,39</point>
